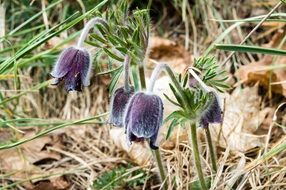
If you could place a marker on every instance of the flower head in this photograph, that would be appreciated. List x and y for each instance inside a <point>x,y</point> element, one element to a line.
<point>118,103</point>
<point>212,114</point>
<point>73,67</point>
<point>143,118</point>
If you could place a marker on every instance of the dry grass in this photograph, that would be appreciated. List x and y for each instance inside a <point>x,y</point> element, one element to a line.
<point>87,151</point>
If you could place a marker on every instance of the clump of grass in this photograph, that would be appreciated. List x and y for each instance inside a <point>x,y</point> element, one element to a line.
<point>121,177</point>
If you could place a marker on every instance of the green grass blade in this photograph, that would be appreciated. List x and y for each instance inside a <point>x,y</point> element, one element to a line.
<point>9,62</point>
<point>250,49</point>
<point>47,131</point>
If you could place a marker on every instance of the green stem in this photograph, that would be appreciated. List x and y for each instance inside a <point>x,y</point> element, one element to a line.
<point>211,148</point>
<point>196,154</point>
<point>160,166</point>
<point>142,76</point>
<point>126,65</point>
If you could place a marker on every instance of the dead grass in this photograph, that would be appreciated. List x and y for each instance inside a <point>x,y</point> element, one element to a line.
<point>85,152</point>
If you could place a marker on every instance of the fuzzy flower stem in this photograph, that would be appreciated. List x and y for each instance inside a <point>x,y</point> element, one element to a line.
<point>207,131</point>
<point>196,154</point>
<point>87,28</point>
<point>155,74</point>
<point>142,76</point>
<point>211,148</point>
<point>126,65</point>
<point>160,166</point>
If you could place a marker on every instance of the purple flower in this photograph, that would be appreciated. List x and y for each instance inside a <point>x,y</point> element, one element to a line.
<point>118,103</point>
<point>73,67</point>
<point>212,114</point>
<point>143,118</point>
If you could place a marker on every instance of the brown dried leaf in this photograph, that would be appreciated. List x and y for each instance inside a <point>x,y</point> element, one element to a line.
<point>242,118</point>
<point>20,161</point>
<point>259,71</point>
<point>171,52</point>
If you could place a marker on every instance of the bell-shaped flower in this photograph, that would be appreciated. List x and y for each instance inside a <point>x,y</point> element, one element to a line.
<point>143,118</point>
<point>118,104</point>
<point>213,112</point>
<point>73,67</point>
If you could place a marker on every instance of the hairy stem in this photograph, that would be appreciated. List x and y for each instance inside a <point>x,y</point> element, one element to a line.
<point>207,131</point>
<point>126,65</point>
<point>160,166</point>
<point>87,28</point>
<point>142,77</point>
<point>155,74</point>
<point>196,154</point>
<point>211,148</point>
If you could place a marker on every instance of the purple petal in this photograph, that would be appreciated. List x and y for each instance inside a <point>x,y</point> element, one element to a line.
<point>64,62</point>
<point>213,112</point>
<point>73,81</point>
<point>144,115</point>
<point>118,104</point>
<point>73,67</point>
<point>86,68</point>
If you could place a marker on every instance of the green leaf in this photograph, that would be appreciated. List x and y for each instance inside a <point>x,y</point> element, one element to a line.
<point>98,38</point>
<point>110,71</point>
<point>114,80</point>
<point>177,96</point>
<point>171,127</point>
<point>175,115</point>
<point>186,79</point>
<point>112,55</point>
<point>250,49</point>
<point>172,101</point>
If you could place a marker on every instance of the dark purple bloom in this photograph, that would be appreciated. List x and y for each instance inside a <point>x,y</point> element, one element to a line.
<point>212,114</point>
<point>143,118</point>
<point>118,103</point>
<point>73,67</point>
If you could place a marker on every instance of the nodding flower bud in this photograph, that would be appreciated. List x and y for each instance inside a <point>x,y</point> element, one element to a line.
<point>73,67</point>
<point>212,114</point>
<point>143,118</point>
<point>118,103</point>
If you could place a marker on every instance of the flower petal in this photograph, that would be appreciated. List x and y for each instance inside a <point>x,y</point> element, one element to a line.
<point>145,115</point>
<point>213,112</point>
<point>86,68</point>
<point>118,104</point>
<point>64,62</point>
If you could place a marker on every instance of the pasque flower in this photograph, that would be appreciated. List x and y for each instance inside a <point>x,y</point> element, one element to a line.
<point>118,103</point>
<point>212,114</point>
<point>143,118</point>
<point>121,97</point>
<point>73,67</point>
